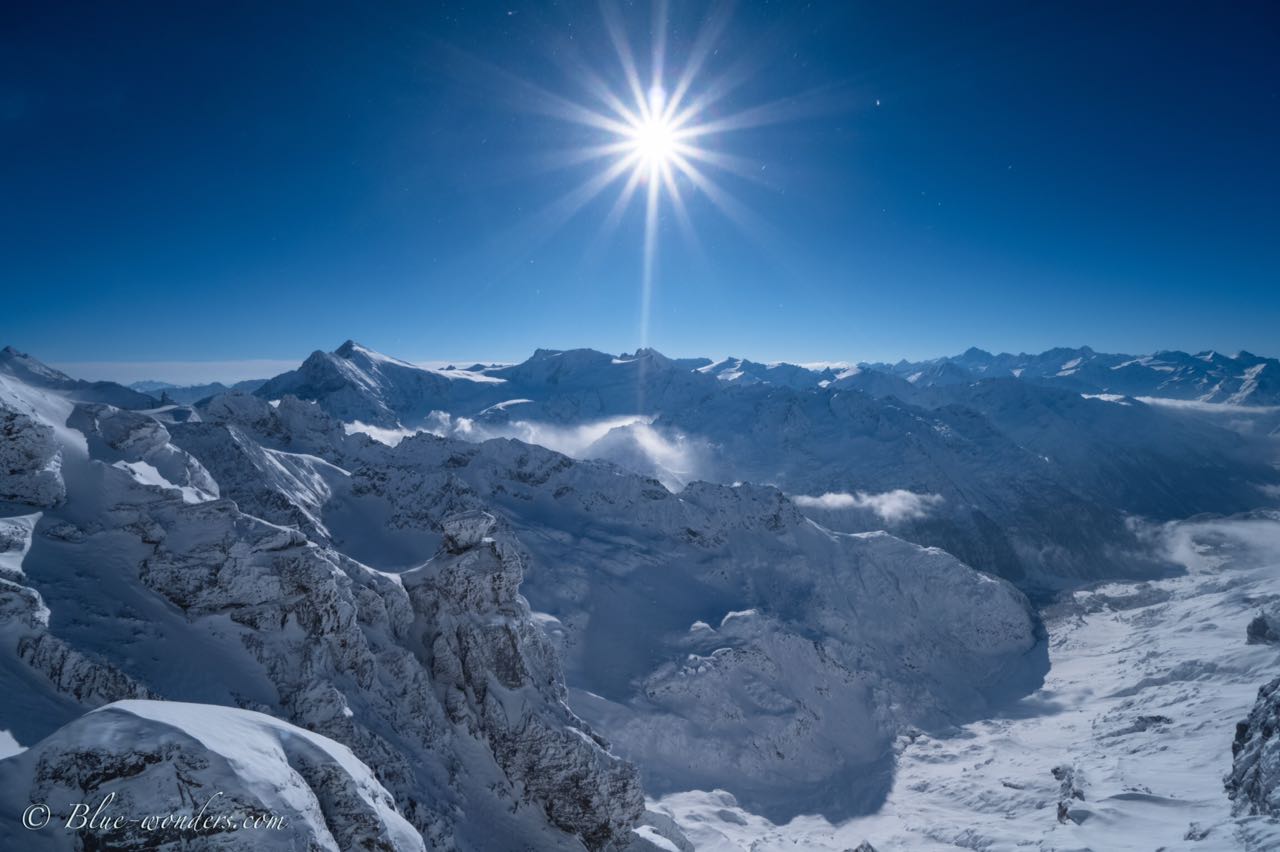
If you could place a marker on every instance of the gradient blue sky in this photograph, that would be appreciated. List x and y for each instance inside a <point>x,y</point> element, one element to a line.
<point>228,181</point>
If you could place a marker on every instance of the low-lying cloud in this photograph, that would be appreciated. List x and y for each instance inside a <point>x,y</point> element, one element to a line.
<point>381,434</point>
<point>631,442</point>
<point>891,506</point>
<point>1204,545</point>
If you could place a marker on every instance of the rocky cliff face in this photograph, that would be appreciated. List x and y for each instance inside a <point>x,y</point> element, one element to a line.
<point>25,633</point>
<point>1254,781</point>
<point>438,679</point>
<point>30,460</point>
<point>498,675</point>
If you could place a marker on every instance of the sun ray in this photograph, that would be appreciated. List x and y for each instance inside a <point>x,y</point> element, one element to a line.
<point>659,45</point>
<point>708,33</point>
<point>780,111</point>
<point>728,204</point>
<point>650,254</point>
<point>681,210</point>
<point>622,46</point>
<point>658,131</point>
<point>570,157</point>
<point>741,166</point>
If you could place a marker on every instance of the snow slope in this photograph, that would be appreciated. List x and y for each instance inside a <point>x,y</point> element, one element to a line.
<point>166,758</point>
<point>1131,733</point>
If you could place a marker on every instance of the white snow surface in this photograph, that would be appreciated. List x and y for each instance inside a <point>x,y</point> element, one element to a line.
<point>1137,712</point>
<point>191,759</point>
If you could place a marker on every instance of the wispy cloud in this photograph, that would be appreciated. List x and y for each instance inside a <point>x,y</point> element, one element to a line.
<point>891,506</point>
<point>1209,407</point>
<point>629,441</point>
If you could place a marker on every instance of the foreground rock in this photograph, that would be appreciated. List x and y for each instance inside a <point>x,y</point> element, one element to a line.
<point>438,680</point>
<point>195,776</point>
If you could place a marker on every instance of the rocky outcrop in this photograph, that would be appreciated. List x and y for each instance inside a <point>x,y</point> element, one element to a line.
<point>196,776</point>
<point>402,670</point>
<point>24,631</point>
<point>441,682</point>
<point>1264,629</point>
<point>140,445</point>
<point>499,676</point>
<point>30,460</point>
<point>1253,784</point>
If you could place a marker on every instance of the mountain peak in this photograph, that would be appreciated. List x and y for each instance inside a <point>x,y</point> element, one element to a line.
<point>30,369</point>
<point>648,353</point>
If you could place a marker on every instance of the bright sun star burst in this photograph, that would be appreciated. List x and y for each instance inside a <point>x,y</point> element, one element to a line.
<point>656,140</point>
<point>653,135</point>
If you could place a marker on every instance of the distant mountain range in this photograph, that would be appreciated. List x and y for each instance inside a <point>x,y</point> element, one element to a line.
<point>1212,377</point>
<point>1025,464</point>
<point>187,394</point>
<point>1242,379</point>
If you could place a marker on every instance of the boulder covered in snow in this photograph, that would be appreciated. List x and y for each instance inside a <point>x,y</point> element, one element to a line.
<point>1265,628</point>
<point>167,775</point>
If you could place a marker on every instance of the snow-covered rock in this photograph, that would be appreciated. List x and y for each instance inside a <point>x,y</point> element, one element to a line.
<point>1265,628</point>
<point>196,776</point>
<point>30,460</point>
<point>498,674</point>
<point>824,619</point>
<point>1254,782</point>
<point>140,445</point>
<point>440,681</point>
<point>25,637</point>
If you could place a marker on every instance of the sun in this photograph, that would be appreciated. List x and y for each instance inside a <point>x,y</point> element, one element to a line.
<point>660,142</point>
<point>652,136</point>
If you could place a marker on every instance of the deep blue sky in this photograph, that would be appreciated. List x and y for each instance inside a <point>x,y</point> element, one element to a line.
<point>256,180</point>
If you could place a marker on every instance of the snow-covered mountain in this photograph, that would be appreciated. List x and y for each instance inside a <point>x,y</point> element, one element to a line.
<point>1240,379</point>
<point>1155,728</point>
<point>457,636</point>
<point>23,368</point>
<point>1031,481</point>
<point>143,583</point>
<point>258,556</point>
